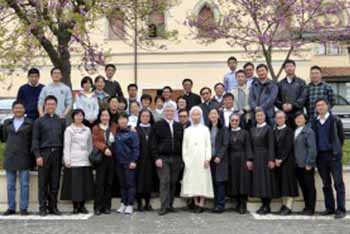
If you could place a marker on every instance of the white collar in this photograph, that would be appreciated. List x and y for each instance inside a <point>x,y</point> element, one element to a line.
<point>170,121</point>
<point>37,84</point>
<point>235,129</point>
<point>145,125</point>
<point>229,110</point>
<point>261,125</point>
<point>281,127</point>
<point>325,117</point>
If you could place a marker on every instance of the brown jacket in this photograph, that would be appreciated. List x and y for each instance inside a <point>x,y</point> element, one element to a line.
<point>98,136</point>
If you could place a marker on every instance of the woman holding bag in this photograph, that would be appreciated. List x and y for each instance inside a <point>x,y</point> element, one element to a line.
<point>103,138</point>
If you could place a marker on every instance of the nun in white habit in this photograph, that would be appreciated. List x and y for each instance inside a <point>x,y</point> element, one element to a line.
<point>196,152</point>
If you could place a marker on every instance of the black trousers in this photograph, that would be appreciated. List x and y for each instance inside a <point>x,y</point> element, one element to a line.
<point>168,176</point>
<point>104,183</point>
<point>329,168</point>
<point>49,178</point>
<point>306,180</point>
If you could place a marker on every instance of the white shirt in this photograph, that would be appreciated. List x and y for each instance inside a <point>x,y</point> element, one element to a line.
<point>298,131</point>
<point>281,127</point>
<point>227,114</point>
<point>323,120</point>
<point>236,129</point>
<point>17,123</point>
<point>132,120</point>
<point>219,99</point>
<point>261,125</point>
<point>171,122</point>
<point>289,79</point>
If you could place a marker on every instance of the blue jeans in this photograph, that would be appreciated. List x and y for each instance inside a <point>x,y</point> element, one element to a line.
<point>11,177</point>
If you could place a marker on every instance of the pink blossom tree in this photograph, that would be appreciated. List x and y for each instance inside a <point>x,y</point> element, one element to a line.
<point>56,29</point>
<point>265,27</point>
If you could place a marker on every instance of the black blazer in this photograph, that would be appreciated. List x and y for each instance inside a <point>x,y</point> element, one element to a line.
<point>168,146</point>
<point>18,154</point>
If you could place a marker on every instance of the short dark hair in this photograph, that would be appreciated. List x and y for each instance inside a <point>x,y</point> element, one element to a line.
<point>218,84</point>
<point>262,65</point>
<point>151,121</point>
<point>111,98</point>
<point>204,88</point>
<point>187,80</point>
<point>298,113</point>
<point>315,67</point>
<point>240,71</point>
<point>146,96</point>
<point>321,99</point>
<point>134,102</point>
<point>86,79</point>
<point>183,110</point>
<point>17,102</point>
<point>248,64</point>
<point>132,86</point>
<point>181,97</point>
<point>33,71</point>
<point>167,87</point>
<point>75,112</point>
<point>99,77</point>
<point>49,98</point>
<point>159,97</point>
<point>110,65</point>
<point>123,100</point>
<point>232,58</point>
<point>53,69</point>
<point>123,115</point>
<point>229,95</point>
<point>289,61</point>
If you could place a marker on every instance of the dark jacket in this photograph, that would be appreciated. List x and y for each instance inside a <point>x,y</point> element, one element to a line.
<point>192,100</point>
<point>263,95</point>
<point>206,108</point>
<point>126,146</point>
<point>294,93</point>
<point>17,155</point>
<point>113,88</point>
<point>168,146</point>
<point>48,132</point>
<point>221,144</point>
<point>336,135</point>
<point>305,148</point>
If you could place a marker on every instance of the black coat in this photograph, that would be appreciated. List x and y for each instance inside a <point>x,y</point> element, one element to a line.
<point>285,175</point>
<point>192,100</point>
<point>219,171</point>
<point>168,146</point>
<point>18,155</point>
<point>206,108</point>
<point>146,171</point>
<point>239,152</point>
<point>263,146</point>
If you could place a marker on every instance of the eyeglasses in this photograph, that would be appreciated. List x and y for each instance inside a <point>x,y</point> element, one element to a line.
<point>183,116</point>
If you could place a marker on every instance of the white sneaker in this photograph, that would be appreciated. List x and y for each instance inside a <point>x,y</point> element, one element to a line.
<point>129,210</point>
<point>121,209</point>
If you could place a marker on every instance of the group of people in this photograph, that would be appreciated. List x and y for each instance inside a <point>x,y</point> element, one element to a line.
<point>252,138</point>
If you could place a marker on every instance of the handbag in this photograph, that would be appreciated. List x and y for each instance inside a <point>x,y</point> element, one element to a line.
<point>96,156</point>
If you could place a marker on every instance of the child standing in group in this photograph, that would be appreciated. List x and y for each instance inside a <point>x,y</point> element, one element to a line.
<point>127,153</point>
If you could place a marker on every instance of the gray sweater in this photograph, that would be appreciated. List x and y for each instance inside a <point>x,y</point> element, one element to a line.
<point>305,151</point>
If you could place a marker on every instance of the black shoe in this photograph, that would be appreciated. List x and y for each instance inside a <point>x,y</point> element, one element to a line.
<point>242,210</point>
<point>339,214</point>
<point>171,210</point>
<point>55,211</point>
<point>43,213</point>
<point>75,211</point>
<point>97,212</point>
<point>286,212</point>
<point>327,212</point>
<point>9,212</point>
<point>283,207</point>
<point>106,211</point>
<point>83,210</point>
<point>307,212</point>
<point>199,210</point>
<point>162,212</point>
<point>148,207</point>
<point>24,212</point>
<point>218,210</point>
<point>264,210</point>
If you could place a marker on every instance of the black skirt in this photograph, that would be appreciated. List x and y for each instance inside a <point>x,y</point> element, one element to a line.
<point>78,184</point>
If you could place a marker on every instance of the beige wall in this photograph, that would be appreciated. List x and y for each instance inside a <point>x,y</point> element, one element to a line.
<point>205,64</point>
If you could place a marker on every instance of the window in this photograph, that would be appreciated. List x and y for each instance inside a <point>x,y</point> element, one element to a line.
<point>330,48</point>
<point>156,26</point>
<point>116,28</point>
<point>206,21</point>
<point>342,92</point>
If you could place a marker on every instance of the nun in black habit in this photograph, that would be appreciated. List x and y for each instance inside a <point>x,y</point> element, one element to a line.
<point>263,148</point>
<point>285,163</point>
<point>240,163</point>
<point>146,172</point>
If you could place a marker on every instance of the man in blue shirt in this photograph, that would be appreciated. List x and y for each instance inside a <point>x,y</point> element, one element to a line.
<point>29,93</point>
<point>230,81</point>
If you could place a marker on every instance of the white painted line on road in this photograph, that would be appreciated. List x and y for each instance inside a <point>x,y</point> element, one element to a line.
<point>47,217</point>
<point>293,217</point>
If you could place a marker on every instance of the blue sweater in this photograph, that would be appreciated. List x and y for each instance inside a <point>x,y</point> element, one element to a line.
<point>324,143</point>
<point>29,95</point>
<point>126,146</point>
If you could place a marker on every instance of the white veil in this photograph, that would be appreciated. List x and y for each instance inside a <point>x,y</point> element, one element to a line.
<point>201,112</point>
